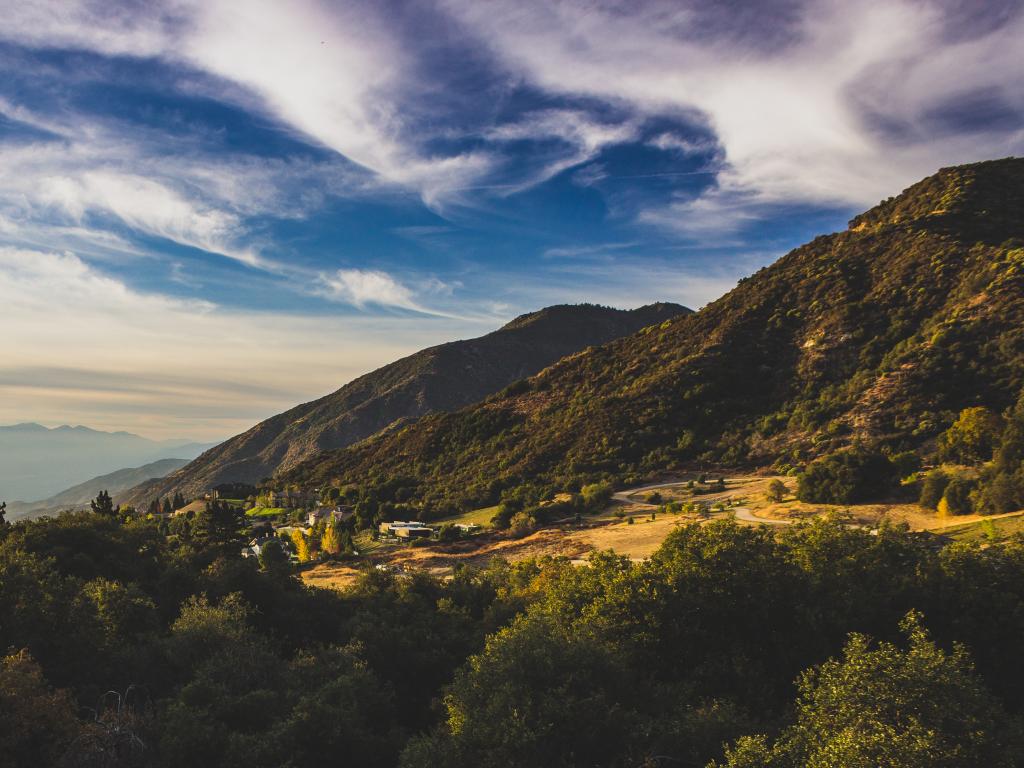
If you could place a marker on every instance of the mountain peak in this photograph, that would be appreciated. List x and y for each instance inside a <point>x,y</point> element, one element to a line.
<point>655,312</point>
<point>981,196</point>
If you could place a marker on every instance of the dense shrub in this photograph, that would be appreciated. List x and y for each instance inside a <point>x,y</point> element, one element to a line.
<point>847,477</point>
<point>956,499</point>
<point>932,488</point>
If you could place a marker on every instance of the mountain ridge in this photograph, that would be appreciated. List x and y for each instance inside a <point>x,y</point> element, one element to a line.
<point>440,378</point>
<point>78,496</point>
<point>37,462</point>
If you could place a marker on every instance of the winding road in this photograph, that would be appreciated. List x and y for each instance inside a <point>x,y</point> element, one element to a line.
<point>742,513</point>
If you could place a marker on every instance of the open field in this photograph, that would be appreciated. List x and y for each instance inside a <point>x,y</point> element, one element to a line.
<point>481,517</point>
<point>744,498</point>
<point>266,512</point>
<point>991,528</point>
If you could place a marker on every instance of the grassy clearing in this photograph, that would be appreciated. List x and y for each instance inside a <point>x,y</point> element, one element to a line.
<point>364,543</point>
<point>266,512</point>
<point>987,529</point>
<point>481,517</point>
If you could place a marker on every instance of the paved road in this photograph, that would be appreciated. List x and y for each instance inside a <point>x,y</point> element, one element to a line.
<point>742,513</point>
<point>623,496</point>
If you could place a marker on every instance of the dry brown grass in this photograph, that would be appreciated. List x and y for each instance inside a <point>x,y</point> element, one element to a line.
<point>610,530</point>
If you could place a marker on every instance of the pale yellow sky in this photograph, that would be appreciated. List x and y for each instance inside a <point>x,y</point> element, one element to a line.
<point>79,347</point>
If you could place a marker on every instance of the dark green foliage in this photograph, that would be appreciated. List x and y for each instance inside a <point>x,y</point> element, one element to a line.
<point>905,463</point>
<point>273,558</point>
<point>932,488</point>
<point>776,491</point>
<point>616,643</point>
<point>915,708</point>
<point>847,477</point>
<point>103,505</point>
<point>956,499</point>
<point>972,438</point>
<point>609,664</point>
<point>1002,483</point>
<point>37,724</point>
<point>877,335</point>
<point>221,526</point>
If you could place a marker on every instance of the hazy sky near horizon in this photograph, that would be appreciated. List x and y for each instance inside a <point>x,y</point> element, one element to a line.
<point>211,210</point>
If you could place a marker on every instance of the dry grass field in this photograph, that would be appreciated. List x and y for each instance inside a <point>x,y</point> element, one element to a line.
<point>744,497</point>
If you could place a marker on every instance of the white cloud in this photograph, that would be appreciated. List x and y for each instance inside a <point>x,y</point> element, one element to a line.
<point>336,73</point>
<point>362,287</point>
<point>146,206</point>
<point>584,135</point>
<point>790,116</point>
<point>792,97</point>
<point>81,346</point>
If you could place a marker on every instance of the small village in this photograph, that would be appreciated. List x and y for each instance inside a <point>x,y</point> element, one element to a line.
<point>308,531</point>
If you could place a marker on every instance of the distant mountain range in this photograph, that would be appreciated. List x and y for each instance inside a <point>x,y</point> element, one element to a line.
<point>439,379</point>
<point>879,334</point>
<point>79,496</point>
<point>37,462</point>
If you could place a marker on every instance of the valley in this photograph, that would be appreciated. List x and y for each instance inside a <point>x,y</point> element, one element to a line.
<point>628,528</point>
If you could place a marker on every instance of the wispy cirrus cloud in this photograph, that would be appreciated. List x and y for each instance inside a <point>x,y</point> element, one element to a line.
<point>825,102</point>
<point>364,287</point>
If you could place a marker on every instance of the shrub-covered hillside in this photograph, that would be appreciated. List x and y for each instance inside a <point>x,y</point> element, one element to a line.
<point>442,378</point>
<point>879,334</point>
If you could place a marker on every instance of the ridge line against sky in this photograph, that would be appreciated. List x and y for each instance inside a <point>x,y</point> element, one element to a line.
<point>211,211</point>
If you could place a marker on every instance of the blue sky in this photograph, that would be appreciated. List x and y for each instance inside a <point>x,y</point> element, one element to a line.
<point>210,211</point>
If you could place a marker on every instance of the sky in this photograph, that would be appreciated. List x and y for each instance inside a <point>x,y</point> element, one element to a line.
<point>211,210</point>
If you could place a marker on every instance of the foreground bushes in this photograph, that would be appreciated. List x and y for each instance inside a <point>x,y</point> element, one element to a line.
<point>541,664</point>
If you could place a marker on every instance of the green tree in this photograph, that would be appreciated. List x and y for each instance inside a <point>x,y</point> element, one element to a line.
<point>972,438</point>
<point>103,505</point>
<point>221,526</point>
<point>885,706</point>
<point>596,495</point>
<point>37,724</point>
<point>776,491</point>
<point>932,488</point>
<point>274,559</point>
<point>534,698</point>
<point>847,477</point>
<point>956,500</point>
<point>522,524</point>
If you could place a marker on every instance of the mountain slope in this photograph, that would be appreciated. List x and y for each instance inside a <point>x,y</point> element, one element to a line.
<point>36,461</point>
<point>441,378</point>
<point>79,496</point>
<point>879,333</point>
